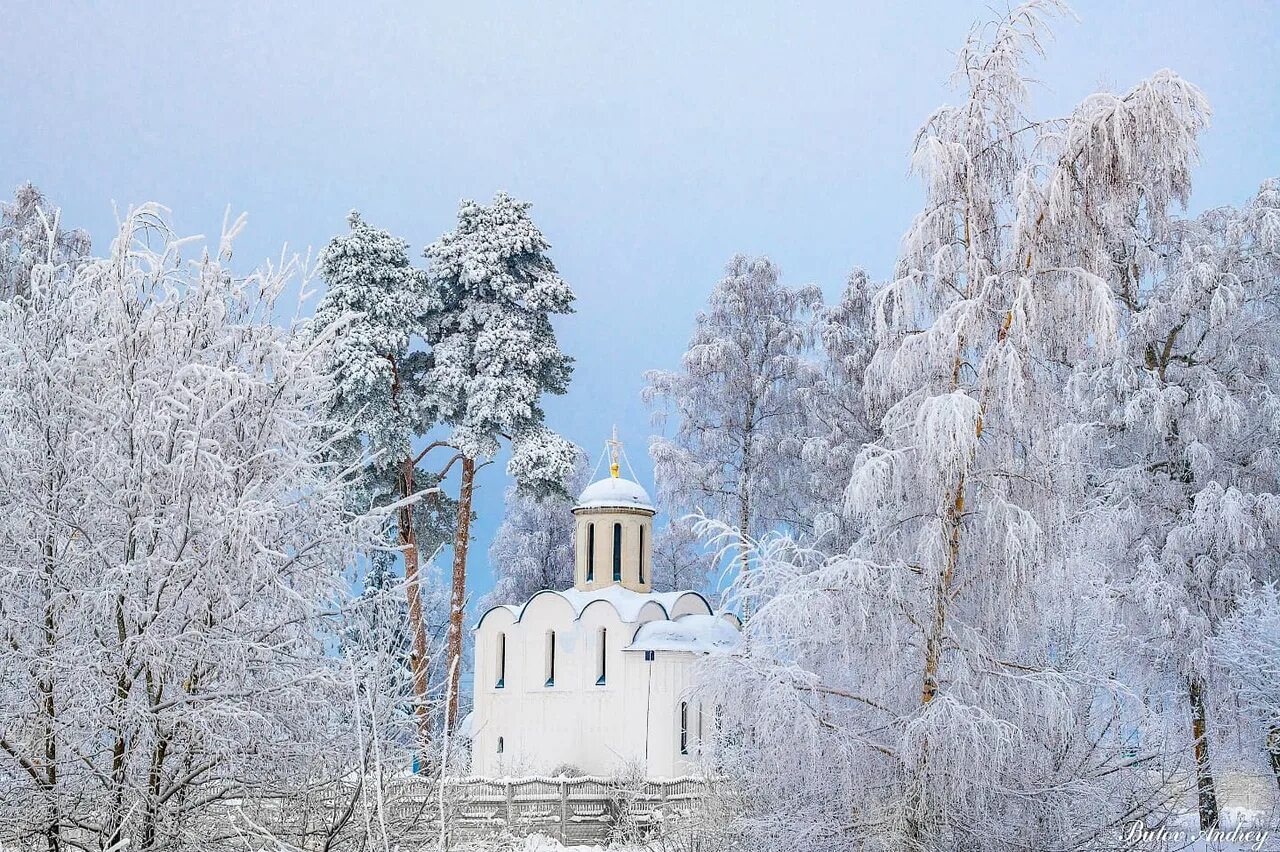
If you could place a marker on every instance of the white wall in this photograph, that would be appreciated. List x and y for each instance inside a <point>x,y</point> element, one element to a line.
<point>632,717</point>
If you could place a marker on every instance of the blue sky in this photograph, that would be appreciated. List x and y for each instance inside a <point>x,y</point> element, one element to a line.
<point>654,139</point>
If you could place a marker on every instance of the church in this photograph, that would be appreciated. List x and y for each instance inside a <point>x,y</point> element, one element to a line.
<point>598,677</point>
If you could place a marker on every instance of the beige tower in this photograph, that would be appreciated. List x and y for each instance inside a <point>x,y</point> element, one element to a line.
<point>614,536</point>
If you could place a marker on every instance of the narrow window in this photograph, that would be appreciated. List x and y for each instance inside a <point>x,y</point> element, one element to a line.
<point>499,745</point>
<point>640,559</point>
<point>591,552</point>
<point>617,552</point>
<point>604,656</point>
<point>502,661</point>
<point>551,658</point>
<point>684,727</point>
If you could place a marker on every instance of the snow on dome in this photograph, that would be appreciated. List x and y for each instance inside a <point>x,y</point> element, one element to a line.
<point>703,633</point>
<point>614,492</point>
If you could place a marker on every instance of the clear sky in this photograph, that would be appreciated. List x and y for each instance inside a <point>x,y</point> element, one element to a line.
<point>655,139</point>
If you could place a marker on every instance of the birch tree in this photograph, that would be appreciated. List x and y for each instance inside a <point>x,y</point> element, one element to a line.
<point>31,233</point>
<point>533,547</point>
<point>493,356</point>
<point>949,683</point>
<point>733,399</point>
<point>1189,470</point>
<point>173,522</point>
<point>1248,650</point>
<point>680,558</point>
<point>832,421</point>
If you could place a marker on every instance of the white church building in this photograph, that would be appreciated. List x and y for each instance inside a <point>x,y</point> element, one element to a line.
<point>599,676</point>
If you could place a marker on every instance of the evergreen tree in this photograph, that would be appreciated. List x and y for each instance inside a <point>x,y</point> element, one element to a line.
<point>382,305</point>
<point>493,355</point>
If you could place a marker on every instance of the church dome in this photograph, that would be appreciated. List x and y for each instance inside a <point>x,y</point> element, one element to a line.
<point>615,492</point>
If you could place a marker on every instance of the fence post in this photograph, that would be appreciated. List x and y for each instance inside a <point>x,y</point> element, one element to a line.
<point>564,807</point>
<point>510,804</point>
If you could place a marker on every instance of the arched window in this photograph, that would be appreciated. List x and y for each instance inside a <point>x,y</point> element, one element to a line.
<point>500,745</point>
<point>684,727</point>
<point>604,650</point>
<point>551,658</point>
<point>617,553</point>
<point>640,558</point>
<point>591,552</point>
<point>502,661</point>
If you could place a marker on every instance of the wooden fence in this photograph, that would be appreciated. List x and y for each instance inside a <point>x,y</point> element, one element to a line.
<point>579,810</point>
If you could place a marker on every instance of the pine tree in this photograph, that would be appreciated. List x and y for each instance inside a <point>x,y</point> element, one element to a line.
<point>493,356</point>
<point>381,305</point>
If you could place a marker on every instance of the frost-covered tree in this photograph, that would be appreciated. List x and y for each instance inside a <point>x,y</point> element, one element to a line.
<point>680,559</point>
<point>380,305</point>
<point>949,683</point>
<point>1189,454</point>
<point>533,547</point>
<point>494,355</point>
<point>1247,648</point>
<point>832,422</point>
<point>30,234</point>
<point>174,525</point>
<point>733,400</point>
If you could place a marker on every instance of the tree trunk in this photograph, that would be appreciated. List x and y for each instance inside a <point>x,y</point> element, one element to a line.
<point>917,817</point>
<point>418,659</point>
<point>49,707</point>
<point>744,496</point>
<point>458,599</point>
<point>1273,750</point>
<point>1206,796</point>
<point>744,519</point>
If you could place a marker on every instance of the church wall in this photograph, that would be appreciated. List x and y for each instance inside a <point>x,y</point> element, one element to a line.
<point>576,723</point>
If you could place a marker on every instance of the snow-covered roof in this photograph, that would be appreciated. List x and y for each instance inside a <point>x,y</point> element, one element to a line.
<point>614,492</point>
<point>625,602</point>
<point>693,632</point>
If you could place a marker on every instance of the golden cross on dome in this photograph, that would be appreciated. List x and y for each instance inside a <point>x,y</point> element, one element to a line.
<point>615,453</point>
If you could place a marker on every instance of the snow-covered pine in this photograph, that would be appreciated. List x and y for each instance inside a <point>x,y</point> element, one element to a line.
<point>493,355</point>
<point>377,306</point>
<point>172,533</point>
<point>732,454</point>
<point>1188,451</point>
<point>949,683</point>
